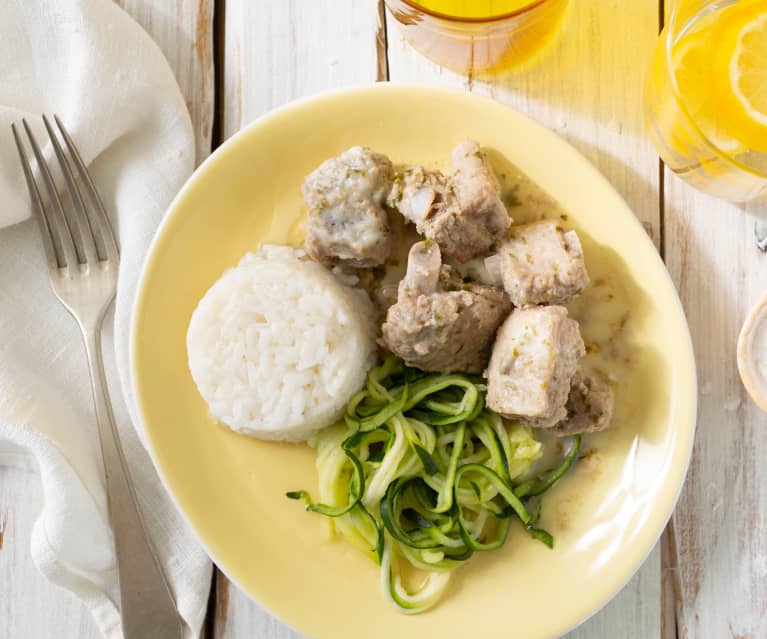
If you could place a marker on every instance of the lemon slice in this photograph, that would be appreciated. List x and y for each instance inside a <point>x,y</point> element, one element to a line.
<point>693,61</point>
<point>748,69</point>
<point>741,72</point>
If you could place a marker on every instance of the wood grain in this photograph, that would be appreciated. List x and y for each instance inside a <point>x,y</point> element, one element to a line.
<point>670,586</point>
<point>589,90</point>
<point>276,52</point>
<point>184,32</point>
<point>721,519</point>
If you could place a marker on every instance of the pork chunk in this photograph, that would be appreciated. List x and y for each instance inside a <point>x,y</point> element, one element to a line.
<point>438,324</point>
<point>424,265</point>
<point>422,195</point>
<point>484,214</point>
<point>539,264</point>
<point>532,365</point>
<point>347,223</point>
<point>589,407</point>
<point>427,198</point>
<point>461,212</point>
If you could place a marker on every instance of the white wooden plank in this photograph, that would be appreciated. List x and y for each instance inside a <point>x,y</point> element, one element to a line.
<point>184,31</point>
<point>722,515</point>
<point>589,90</point>
<point>30,606</point>
<point>276,52</point>
<point>720,522</point>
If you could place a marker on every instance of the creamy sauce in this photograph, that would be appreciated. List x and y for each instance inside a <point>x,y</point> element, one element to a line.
<point>604,312</point>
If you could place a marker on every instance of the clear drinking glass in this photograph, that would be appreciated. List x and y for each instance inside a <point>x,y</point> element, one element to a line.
<point>701,128</point>
<point>475,44</point>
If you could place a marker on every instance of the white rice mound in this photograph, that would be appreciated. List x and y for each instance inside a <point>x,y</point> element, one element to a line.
<point>278,346</point>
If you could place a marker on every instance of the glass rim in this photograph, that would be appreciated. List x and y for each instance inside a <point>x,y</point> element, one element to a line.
<point>413,4</point>
<point>671,31</point>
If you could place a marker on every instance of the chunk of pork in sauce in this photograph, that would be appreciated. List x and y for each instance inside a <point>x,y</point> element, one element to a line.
<point>484,215</point>
<point>347,223</point>
<point>462,212</point>
<point>434,328</point>
<point>532,365</point>
<point>590,406</point>
<point>540,263</point>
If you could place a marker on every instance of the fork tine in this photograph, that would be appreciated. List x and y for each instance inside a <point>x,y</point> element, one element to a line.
<point>83,222</point>
<point>37,204</point>
<point>102,218</point>
<point>64,234</point>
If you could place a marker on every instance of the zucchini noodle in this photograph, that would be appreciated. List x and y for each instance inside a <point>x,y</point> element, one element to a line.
<point>420,475</point>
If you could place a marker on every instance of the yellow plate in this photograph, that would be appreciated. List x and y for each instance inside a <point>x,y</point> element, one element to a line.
<point>606,517</point>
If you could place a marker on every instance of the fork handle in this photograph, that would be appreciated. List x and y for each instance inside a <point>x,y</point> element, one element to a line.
<point>147,605</point>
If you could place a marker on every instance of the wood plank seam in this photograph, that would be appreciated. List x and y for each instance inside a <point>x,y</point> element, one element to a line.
<point>220,599</point>
<point>671,587</point>
<point>219,63</point>
<point>671,581</point>
<point>382,44</point>
<point>216,614</point>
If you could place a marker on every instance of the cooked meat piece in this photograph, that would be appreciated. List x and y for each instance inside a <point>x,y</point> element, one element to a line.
<point>534,358</point>
<point>424,263</point>
<point>347,223</point>
<point>589,407</point>
<point>450,279</point>
<point>422,195</point>
<point>461,212</point>
<point>484,214</point>
<point>427,199</point>
<point>441,330</point>
<point>539,264</point>
<point>446,332</point>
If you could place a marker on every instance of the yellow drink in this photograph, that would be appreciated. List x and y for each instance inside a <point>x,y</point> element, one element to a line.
<point>479,35</point>
<point>474,8</point>
<point>707,96</point>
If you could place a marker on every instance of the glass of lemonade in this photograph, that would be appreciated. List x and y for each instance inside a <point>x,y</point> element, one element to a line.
<point>471,36</point>
<point>707,96</point>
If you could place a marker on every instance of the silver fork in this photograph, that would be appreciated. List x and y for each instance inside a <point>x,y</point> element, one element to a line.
<point>82,259</point>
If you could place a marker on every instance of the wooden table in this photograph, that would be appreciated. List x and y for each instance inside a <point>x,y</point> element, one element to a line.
<point>237,59</point>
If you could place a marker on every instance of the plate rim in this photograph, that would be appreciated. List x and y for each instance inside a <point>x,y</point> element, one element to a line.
<point>349,90</point>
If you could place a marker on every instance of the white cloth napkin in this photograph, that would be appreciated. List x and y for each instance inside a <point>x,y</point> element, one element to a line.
<point>87,61</point>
